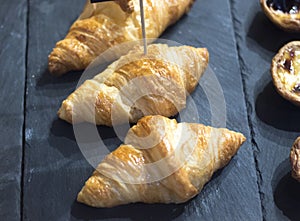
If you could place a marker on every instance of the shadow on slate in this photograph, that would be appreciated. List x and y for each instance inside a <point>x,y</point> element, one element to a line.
<point>172,30</point>
<point>262,28</point>
<point>274,110</point>
<point>146,212</point>
<point>109,137</point>
<point>61,128</point>
<point>136,211</point>
<point>286,191</point>
<point>48,79</point>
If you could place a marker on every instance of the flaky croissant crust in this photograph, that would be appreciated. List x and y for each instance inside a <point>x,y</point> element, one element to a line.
<point>114,181</point>
<point>104,25</point>
<point>137,85</point>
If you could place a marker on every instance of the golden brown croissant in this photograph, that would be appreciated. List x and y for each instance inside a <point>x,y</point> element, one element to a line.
<point>137,85</point>
<point>182,159</point>
<point>295,159</point>
<point>103,25</point>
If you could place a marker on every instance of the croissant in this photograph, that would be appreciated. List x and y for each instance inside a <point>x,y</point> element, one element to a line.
<point>295,159</point>
<point>137,85</point>
<point>162,161</point>
<point>106,24</point>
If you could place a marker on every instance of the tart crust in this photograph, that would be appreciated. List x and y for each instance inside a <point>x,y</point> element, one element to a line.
<point>295,159</point>
<point>285,72</point>
<point>286,21</point>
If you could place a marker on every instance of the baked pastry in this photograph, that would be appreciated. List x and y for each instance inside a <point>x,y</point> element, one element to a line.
<point>191,152</point>
<point>137,85</point>
<point>295,159</point>
<point>104,25</point>
<point>284,13</point>
<point>286,72</point>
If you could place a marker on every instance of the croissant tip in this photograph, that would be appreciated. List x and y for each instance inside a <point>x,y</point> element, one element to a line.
<point>56,69</point>
<point>243,138</point>
<point>240,139</point>
<point>97,194</point>
<point>80,197</point>
<point>204,52</point>
<point>64,112</point>
<point>60,113</point>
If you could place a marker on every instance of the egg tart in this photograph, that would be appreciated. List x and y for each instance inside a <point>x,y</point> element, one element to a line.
<point>284,13</point>
<point>295,159</point>
<point>285,72</point>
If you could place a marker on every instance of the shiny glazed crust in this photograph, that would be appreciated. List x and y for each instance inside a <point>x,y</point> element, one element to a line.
<point>285,71</point>
<point>161,81</point>
<point>295,159</point>
<point>210,149</point>
<point>288,22</point>
<point>104,25</point>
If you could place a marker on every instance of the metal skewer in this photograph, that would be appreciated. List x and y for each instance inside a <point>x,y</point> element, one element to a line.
<point>143,26</point>
<point>142,22</point>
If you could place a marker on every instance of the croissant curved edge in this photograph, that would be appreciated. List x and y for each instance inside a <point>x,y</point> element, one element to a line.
<point>213,149</point>
<point>104,25</point>
<point>170,73</point>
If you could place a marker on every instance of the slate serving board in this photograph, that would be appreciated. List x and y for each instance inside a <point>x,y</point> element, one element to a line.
<point>42,168</point>
<point>12,85</point>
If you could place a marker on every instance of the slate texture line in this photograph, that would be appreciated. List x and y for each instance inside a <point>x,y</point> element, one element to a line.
<point>24,113</point>
<point>12,84</point>
<point>274,121</point>
<point>248,105</point>
<point>52,164</point>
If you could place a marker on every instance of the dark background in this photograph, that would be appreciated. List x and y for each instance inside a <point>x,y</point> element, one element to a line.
<point>42,168</point>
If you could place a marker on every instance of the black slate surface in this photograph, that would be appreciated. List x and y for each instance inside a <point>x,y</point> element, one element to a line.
<point>12,62</point>
<point>274,121</point>
<point>55,170</point>
<point>256,185</point>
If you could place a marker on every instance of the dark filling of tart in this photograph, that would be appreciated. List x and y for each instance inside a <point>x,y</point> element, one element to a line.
<point>286,6</point>
<point>297,88</point>
<point>287,64</point>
